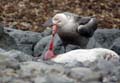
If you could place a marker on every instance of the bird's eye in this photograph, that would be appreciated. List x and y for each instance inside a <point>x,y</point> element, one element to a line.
<point>57,20</point>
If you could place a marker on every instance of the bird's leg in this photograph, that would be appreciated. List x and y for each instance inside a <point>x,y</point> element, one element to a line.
<point>65,48</point>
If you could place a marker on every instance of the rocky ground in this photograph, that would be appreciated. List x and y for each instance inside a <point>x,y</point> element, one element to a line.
<point>19,68</point>
<point>17,64</point>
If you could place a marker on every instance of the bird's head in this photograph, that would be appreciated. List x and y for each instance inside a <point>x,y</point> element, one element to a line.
<point>59,19</point>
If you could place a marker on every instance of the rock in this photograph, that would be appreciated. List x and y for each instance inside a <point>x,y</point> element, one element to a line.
<point>70,47</point>
<point>59,79</point>
<point>93,43</point>
<point>18,55</point>
<point>44,73</point>
<point>26,48</point>
<point>108,70</point>
<point>40,68</point>
<point>41,45</point>
<point>6,41</point>
<point>39,79</point>
<point>5,79</point>
<point>116,46</point>
<point>24,39</point>
<point>58,47</point>
<point>8,62</point>
<point>106,37</point>
<point>46,32</point>
<point>84,74</point>
<point>117,72</point>
<point>103,38</point>
<point>1,30</point>
<point>110,79</point>
<point>2,50</point>
<point>53,78</point>
<point>18,81</point>
<point>105,65</point>
<point>19,67</point>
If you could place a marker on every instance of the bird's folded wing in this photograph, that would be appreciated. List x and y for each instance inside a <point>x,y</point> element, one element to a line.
<point>87,26</point>
<point>83,20</point>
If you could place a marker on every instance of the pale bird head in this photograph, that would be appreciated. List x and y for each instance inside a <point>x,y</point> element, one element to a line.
<point>59,19</point>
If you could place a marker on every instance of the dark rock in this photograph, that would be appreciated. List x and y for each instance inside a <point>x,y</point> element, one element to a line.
<point>70,47</point>
<point>1,31</point>
<point>26,48</point>
<point>106,37</point>
<point>103,38</point>
<point>6,42</point>
<point>41,45</point>
<point>24,39</point>
<point>46,32</point>
<point>58,45</point>
<point>93,43</point>
<point>116,46</point>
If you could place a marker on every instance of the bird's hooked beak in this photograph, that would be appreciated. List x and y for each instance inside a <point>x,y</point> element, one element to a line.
<point>50,23</point>
<point>54,29</point>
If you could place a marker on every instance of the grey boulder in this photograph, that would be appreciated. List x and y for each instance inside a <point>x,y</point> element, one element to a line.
<point>25,39</point>
<point>84,74</point>
<point>18,55</point>
<point>6,41</point>
<point>106,37</point>
<point>116,45</point>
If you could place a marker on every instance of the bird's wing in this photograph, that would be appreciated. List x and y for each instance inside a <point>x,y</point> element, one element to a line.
<point>87,26</point>
<point>81,20</point>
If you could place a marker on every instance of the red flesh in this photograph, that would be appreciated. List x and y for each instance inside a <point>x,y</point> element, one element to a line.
<point>50,53</point>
